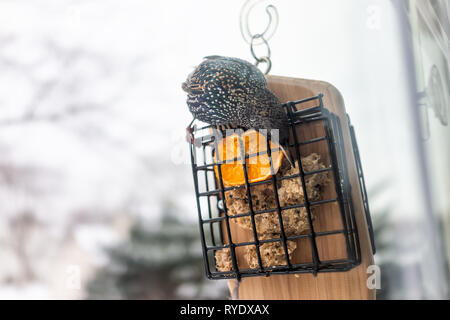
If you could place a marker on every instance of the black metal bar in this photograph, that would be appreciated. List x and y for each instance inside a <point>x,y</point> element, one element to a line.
<point>236,159</point>
<point>212,220</point>
<point>312,141</point>
<point>337,179</point>
<point>217,191</point>
<point>211,226</point>
<point>262,241</point>
<point>301,236</point>
<point>250,203</point>
<point>277,201</point>
<point>318,171</point>
<point>293,206</point>
<point>227,222</point>
<point>309,112</point>
<point>315,253</point>
<point>202,233</point>
<point>362,184</point>
<point>356,250</point>
<point>217,201</point>
<point>338,265</point>
<point>302,100</point>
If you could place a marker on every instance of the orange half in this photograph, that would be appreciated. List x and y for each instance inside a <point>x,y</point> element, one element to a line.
<point>258,163</point>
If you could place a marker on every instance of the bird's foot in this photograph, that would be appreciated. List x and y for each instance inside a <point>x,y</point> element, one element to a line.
<point>190,133</point>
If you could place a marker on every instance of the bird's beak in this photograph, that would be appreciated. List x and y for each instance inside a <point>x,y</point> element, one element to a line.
<point>185,87</point>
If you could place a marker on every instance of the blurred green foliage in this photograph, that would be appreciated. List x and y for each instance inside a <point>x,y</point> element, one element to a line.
<point>163,261</point>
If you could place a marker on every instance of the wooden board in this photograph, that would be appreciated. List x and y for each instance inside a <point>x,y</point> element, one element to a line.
<point>336,285</point>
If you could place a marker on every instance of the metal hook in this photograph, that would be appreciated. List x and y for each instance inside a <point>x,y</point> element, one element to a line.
<point>268,31</point>
<point>259,38</point>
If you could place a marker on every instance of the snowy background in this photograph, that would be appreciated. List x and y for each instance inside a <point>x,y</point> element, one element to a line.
<point>92,120</point>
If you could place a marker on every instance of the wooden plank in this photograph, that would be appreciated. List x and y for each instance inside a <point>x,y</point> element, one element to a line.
<point>336,285</point>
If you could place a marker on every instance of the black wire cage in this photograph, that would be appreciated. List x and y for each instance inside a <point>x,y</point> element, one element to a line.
<point>217,224</point>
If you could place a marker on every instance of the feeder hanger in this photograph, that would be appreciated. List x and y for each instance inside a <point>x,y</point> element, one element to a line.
<point>259,38</point>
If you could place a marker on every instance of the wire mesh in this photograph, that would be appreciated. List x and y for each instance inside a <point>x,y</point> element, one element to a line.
<point>217,224</point>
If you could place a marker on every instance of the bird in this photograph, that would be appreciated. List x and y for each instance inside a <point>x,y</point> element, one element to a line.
<point>231,92</point>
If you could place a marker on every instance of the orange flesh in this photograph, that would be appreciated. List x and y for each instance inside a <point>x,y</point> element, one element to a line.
<point>258,165</point>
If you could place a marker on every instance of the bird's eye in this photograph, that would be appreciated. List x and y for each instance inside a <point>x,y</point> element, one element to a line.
<point>253,120</point>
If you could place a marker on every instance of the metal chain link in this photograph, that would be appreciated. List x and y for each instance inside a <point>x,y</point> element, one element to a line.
<point>266,58</point>
<point>259,38</point>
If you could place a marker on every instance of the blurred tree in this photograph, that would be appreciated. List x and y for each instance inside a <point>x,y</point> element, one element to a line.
<point>163,261</point>
<point>385,253</point>
<point>52,90</point>
<point>384,256</point>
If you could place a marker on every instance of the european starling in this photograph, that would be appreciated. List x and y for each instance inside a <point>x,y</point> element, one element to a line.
<point>230,92</point>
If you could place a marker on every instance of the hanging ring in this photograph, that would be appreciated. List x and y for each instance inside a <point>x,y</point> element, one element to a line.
<point>260,38</point>
<point>252,44</point>
<point>267,61</point>
<point>271,27</point>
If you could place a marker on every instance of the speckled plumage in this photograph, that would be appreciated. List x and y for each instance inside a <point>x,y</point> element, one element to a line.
<point>231,91</point>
